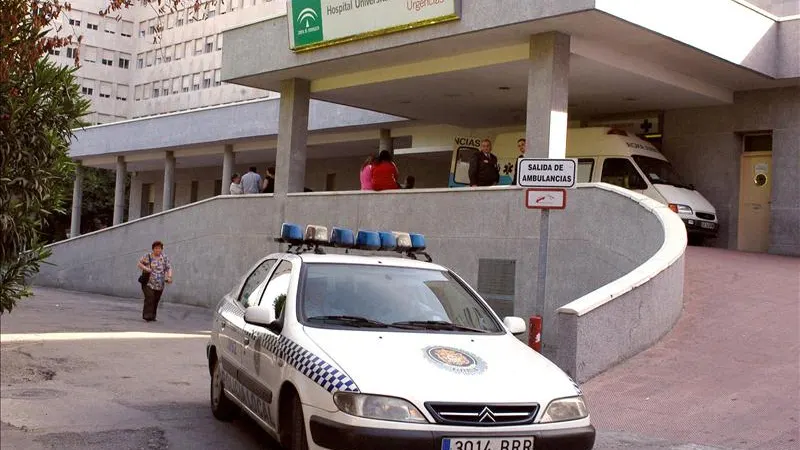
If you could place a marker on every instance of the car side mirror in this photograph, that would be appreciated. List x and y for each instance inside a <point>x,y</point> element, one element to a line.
<point>263,317</point>
<point>516,325</point>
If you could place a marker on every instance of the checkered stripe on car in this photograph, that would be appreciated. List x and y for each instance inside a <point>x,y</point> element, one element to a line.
<point>314,367</point>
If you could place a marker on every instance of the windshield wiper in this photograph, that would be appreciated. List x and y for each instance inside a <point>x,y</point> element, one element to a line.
<point>354,321</point>
<point>437,325</point>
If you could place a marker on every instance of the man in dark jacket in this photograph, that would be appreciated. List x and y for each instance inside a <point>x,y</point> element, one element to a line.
<point>483,168</point>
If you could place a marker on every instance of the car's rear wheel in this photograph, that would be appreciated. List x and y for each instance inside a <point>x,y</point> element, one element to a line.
<point>297,438</point>
<point>222,407</point>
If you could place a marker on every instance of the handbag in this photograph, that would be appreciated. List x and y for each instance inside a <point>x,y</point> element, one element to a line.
<point>144,278</point>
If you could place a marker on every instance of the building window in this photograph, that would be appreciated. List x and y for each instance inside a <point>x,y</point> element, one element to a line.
<point>198,46</point>
<point>127,29</point>
<point>209,47</point>
<point>158,60</point>
<point>165,92</point>
<point>179,22</point>
<point>105,95</point>
<point>87,91</point>
<point>54,51</point>
<point>206,83</point>
<point>138,93</point>
<point>139,63</point>
<point>91,26</point>
<point>217,80</point>
<point>90,55</point>
<point>155,92</point>
<point>71,52</point>
<point>107,62</point>
<point>219,41</point>
<point>122,92</point>
<point>124,63</point>
<point>74,22</point>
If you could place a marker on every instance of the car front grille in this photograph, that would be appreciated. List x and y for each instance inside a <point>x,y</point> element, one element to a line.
<point>481,414</point>
<point>705,216</point>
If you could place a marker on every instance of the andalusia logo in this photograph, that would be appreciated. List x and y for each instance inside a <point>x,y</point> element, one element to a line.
<point>307,18</point>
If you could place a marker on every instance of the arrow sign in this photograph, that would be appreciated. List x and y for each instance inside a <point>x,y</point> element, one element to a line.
<point>546,198</point>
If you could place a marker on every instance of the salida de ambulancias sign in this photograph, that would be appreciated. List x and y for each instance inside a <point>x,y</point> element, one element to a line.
<point>318,23</point>
<point>546,173</point>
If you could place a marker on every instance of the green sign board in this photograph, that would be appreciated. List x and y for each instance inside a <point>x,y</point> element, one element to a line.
<point>319,23</point>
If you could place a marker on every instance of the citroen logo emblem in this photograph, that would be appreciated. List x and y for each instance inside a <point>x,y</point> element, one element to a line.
<point>486,415</point>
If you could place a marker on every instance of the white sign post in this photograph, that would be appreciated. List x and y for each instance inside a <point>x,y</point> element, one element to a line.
<point>548,180</point>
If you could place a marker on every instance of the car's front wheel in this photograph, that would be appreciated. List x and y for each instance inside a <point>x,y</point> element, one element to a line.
<point>223,408</point>
<point>298,439</point>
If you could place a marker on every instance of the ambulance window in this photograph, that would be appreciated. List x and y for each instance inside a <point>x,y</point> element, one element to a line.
<point>621,172</point>
<point>585,166</point>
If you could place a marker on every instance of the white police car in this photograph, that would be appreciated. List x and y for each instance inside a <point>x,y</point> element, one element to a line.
<point>344,352</point>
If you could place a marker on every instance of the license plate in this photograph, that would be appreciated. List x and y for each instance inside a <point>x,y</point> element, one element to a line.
<point>708,225</point>
<point>511,443</point>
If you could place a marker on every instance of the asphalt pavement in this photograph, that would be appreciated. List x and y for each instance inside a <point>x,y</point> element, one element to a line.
<point>83,371</point>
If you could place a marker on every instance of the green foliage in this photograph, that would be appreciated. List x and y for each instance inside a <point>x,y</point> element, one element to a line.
<point>38,110</point>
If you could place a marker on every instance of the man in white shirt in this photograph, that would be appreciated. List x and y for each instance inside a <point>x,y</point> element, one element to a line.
<point>251,181</point>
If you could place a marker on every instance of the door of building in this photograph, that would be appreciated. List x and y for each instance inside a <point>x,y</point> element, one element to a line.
<point>755,188</point>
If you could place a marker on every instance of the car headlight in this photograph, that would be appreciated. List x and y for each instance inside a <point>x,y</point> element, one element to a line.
<point>378,407</point>
<point>680,209</point>
<point>572,408</point>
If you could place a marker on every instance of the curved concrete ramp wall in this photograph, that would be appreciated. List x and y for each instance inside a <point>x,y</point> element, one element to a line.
<point>603,235</point>
<point>628,315</point>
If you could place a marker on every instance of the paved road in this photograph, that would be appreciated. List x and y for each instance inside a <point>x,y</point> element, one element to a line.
<point>728,374</point>
<point>116,382</point>
<point>112,388</point>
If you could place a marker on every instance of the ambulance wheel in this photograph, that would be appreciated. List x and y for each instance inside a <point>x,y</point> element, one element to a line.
<point>298,439</point>
<point>222,407</point>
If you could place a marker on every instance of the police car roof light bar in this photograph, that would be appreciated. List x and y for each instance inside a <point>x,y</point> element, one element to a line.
<point>316,236</point>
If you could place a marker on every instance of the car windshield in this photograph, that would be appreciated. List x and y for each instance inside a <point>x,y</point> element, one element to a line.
<point>401,298</point>
<point>659,171</point>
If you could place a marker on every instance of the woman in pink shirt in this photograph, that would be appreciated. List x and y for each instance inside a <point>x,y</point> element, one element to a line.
<point>366,174</point>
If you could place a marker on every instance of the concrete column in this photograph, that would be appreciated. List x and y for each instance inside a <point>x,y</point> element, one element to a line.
<point>77,199</point>
<point>290,167</point>
<point>135,198</point>
<point>119,191</point>
<point>228,161</point>
<point>169,181</point>
<point>386,141</point>
<point>546,137</point>
<point>548,92</point>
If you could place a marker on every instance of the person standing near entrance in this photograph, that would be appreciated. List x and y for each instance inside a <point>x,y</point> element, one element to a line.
<point>159,273</point>
<point>483,168</point>
<point>521,148</point>
<point>251,181</point>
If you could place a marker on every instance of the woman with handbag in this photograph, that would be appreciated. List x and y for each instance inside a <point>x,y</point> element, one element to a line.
<point>156,270</point>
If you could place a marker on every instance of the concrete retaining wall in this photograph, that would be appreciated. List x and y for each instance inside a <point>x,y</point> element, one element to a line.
<point>600,237</point>
<point>624,317</point>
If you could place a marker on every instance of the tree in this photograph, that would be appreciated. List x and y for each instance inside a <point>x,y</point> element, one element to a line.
<point>40,105</point>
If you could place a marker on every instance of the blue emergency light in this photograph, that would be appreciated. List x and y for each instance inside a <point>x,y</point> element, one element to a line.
<point>417,242</point>
<point>316,236</point>
<point>368,240</point>
<point>292,233</point>
<point>388,240</point>
<point>342,237</point>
